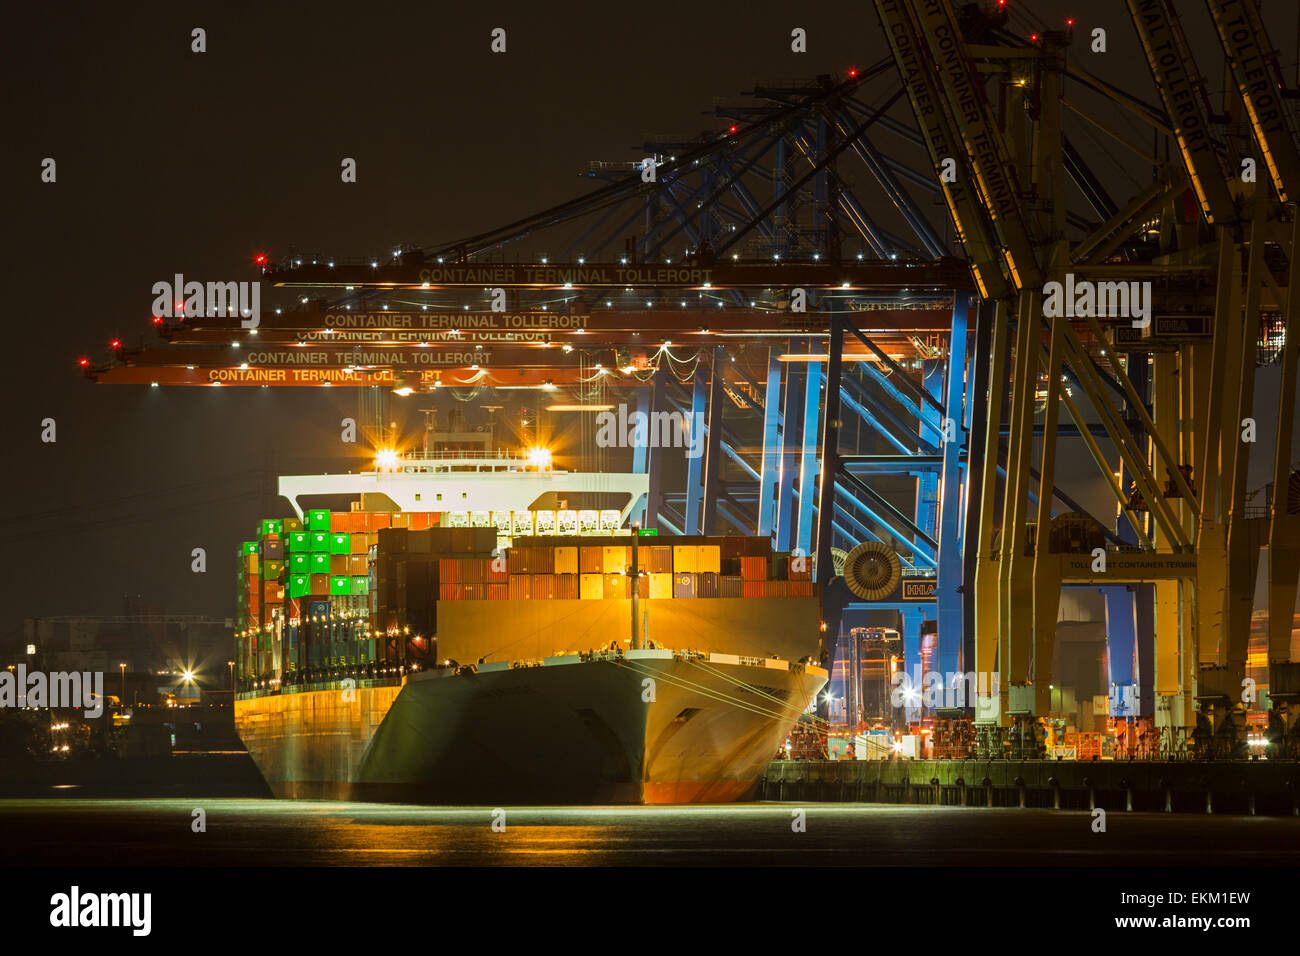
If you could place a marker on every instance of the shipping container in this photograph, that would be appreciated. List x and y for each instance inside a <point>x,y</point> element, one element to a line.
<point>399,519</point>
<point>271,569</point>
<point>567,585</point>
<point>358,543</point>
<point>591,587</point>
<point>319,562</point>
<point>496,570</point>
<point>543,586</point>
<point>474,591</point>
<point>616,586</point>
<point>358,565</point>
<point>709,559</point>
<point>520,587</point>
<point>707,585</point>
<point>320,541</point>
<point>685,558</point>
<point>450,570</point>
<point>753,589</point>
<point>299,561</point>
<point>340,584</point>
<point>380,520</point>
<point>498,591</point>
<point>566,560</point>
<point>299,541</point>
<point>661,584</point>
<point>731,586</point>
<point>320,585</point>
<point>753,568</point>
<point>684,584</point>
<point>519,560</point>
<point>591,560</point>
<point>269,527</point>
<point>616,558</point>
<point>360,584</point>
<point>473,570</point>
<point>318,519</point>
<point>340,542</point>
<point>299,585</point>
<point>657,559</point>
<point>420,520</point>
<point>272,548</point>
<point>248,547</point>
<point>292,525</point>
<point>801,589</point>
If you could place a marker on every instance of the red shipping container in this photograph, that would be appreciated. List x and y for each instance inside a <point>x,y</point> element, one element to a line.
<point>320,585</point>
<point>543,560</point>
<point>473,592</point>
<point>496,571</point>
<point>778,589</point>
<point>543,587</point>
<point>421,520</point>
<point>805,574</point>
<point>753,589</point>
<point>520,587</point>
<point>801,589</point>
<point>379,520</point>
<point>473,570</point>
<point>519,560</point>
<point>449,591</point>
<point>616,586</point>
<point>568,587</point>
<point>449,570</point>
<point>497,592</point>
<point>753,568</point>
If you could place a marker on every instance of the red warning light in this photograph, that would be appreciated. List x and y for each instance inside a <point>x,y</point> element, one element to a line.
<point>260,259</point>
<point>1069,21</point>
<point>83,362</point>
<point>732,129</point>
<point>852,74</point>
<point>1033,38</point>
<point>115,344</point>
<point>1002,3</point>
<point>180,306</point>
<point>157,320</point>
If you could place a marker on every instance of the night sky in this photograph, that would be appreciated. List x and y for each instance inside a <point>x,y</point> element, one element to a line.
<point>170,161</point>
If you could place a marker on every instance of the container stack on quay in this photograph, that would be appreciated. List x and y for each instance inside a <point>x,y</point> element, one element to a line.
<point>357,593</point>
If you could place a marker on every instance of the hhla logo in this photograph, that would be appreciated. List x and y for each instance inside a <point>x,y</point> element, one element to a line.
<point>1110,300</point>
<point>215,300</point>
<point>654,430</point>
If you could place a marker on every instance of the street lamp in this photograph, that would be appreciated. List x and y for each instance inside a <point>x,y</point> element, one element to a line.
<point>123,666</point>
<point>231,665</point>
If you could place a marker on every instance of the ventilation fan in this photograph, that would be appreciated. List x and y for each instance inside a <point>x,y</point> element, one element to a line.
<point>837,560</point>
<point>872,570</point>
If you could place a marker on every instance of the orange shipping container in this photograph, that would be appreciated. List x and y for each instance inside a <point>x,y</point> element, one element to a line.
<point>753,589</point>
<point>616,586</point>
<point>496,571</point>
<point>519,560</point>
<point>685,558</point>
<point>476,591</point>
<point>657,560</point>
<point>399,519</point>
<point>473,570</point>
<point>421,520</point>
<point>708,558</point>
<point>449,570</point>
<point>339,563</point>
<point>497,592</point>
<point>358,543</point>
<point>567,587</point>
<point>358,565</point>
<point>543,587</point>
<point>616,558</point>
<point>801,589</point>
<point>591,587</point>
<point>340,521</point>
<point>520,587</point>
<point>591,560</point>
<point>753,568</point>
<point>661,585</point>
<point>378,520</point>
<point>449,591</point>
<point>566,560</point>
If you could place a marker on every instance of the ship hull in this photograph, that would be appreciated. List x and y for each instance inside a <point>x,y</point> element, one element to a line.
<point>651,727</point>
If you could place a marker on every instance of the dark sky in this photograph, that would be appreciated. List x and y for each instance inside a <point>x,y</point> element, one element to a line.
<point>170,161</point>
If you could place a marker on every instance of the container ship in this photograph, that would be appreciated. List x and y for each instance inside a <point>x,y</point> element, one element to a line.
<point>508,653</point>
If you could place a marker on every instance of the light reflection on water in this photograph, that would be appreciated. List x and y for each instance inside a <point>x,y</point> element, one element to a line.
<point>314,833</point>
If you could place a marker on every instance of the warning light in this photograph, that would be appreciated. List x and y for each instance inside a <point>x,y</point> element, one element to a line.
<point>180,306</point>
<point>157,320</point>
<point>83,362</point>
<point>852,74</point>
<point>115,344</point>
<point>1069,21</point>
<point>1033,38</point>
<point>733,129</point>
<point>260,259</point>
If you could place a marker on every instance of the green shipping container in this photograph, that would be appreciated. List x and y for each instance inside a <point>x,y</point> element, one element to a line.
<point>360,584</point>
<point>299,585</point>
<point>320,541</point>
<point>293,524</point>
<point>249,547</point>
<point>340,543</point>
<point>318,519</point>
<point>300,561</point>
<point>320,562</point>
<point>299,541</point>
<point>340,584</point>
<point>271,570</point>
<point>270,526</point>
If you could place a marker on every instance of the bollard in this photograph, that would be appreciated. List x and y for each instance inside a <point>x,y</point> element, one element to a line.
<point>938,791</point>
<point>1092,794</point>
<point>1056,792</point>
<point>1163,784</point>
<point>1020,784</point>
<point>961,786</point>
<point>1128,794</point>
<point>987,784</point>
